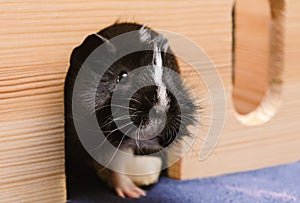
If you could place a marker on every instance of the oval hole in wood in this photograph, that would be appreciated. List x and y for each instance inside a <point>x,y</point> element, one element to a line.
<point>257,59</point>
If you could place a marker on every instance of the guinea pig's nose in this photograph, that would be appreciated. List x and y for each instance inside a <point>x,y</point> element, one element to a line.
<point>156,112</point>
<point>158,119</point>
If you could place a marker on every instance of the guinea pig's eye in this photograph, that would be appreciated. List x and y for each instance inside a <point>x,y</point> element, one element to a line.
<point>121,76</point>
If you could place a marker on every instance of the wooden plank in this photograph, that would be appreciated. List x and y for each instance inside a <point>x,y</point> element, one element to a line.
<point>36,42</point>
<point>252,54</point>
<point>249,141</point>
<point>37,39</point>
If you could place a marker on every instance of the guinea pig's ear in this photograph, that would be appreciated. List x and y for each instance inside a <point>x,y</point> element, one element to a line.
<point>87,86</point>
<point>81,52</point>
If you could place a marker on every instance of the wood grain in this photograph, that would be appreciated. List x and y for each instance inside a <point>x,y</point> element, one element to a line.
<point>36,42</point>
<point>269,134</point>
<point>252,38</point>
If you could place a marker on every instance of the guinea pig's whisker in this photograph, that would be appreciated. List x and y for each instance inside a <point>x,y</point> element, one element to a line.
<point>135,114</point>
<point>190,148</point>
<point>135,100</point>
<point>139,138</point>
<point>100,145</point>
<point>97,147</point>
<point>181,121</point>
<point>189,118</point>
<point>190,145</point>
<point>136,139</point>
<point>110,120</point>
<point>169,137</point>
<point>131,99</point>
<point>148,100</point>
<point>189,114</point>
<point>122,127</point>
<point>124,107</point>
<point>117,149</point>
<point>121,118</point>
<point>111,132</point>
<point>110,105</point>
<point>107,122</point>
<point>197,139</point>
<point>197,127</point>
<point>105,106</point>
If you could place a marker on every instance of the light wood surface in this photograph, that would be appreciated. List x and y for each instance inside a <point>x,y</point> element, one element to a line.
<point>252,38</point>
<point>270,134</point>
<point>37,38</point>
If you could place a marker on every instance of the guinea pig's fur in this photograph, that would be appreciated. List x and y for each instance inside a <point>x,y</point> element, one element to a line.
<point>143,100</point>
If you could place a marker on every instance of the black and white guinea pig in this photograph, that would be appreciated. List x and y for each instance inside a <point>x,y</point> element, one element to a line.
<point>155,110</point>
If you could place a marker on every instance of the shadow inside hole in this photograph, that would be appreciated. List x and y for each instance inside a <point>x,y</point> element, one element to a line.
<point>257,59</point>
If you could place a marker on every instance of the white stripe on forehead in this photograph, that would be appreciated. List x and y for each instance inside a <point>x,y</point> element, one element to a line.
<point>160,40</point>
<point>162,96</point>
<point>159,43</point>
<point>145,35</point>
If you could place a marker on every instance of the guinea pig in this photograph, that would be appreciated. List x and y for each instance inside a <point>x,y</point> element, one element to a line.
<point>159,113</point>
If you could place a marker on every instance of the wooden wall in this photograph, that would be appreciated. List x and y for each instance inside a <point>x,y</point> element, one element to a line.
<point>36,40</point>
<point>265,130</point>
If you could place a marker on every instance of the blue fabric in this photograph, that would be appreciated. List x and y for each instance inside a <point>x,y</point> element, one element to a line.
<point>275,184</point>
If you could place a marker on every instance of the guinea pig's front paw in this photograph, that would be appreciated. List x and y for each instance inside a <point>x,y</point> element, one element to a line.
<point>124,186</point>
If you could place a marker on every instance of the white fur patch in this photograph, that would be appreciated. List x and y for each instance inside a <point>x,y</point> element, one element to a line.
<point>145,35</point>
<point>162,96</point>
<point>159,44</point>
<point>162,42</point>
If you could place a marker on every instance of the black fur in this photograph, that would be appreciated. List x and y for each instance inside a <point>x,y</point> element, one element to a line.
<point>77,159</point>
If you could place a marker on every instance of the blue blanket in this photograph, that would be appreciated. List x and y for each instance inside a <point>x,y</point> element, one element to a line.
<point>275,184</point>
